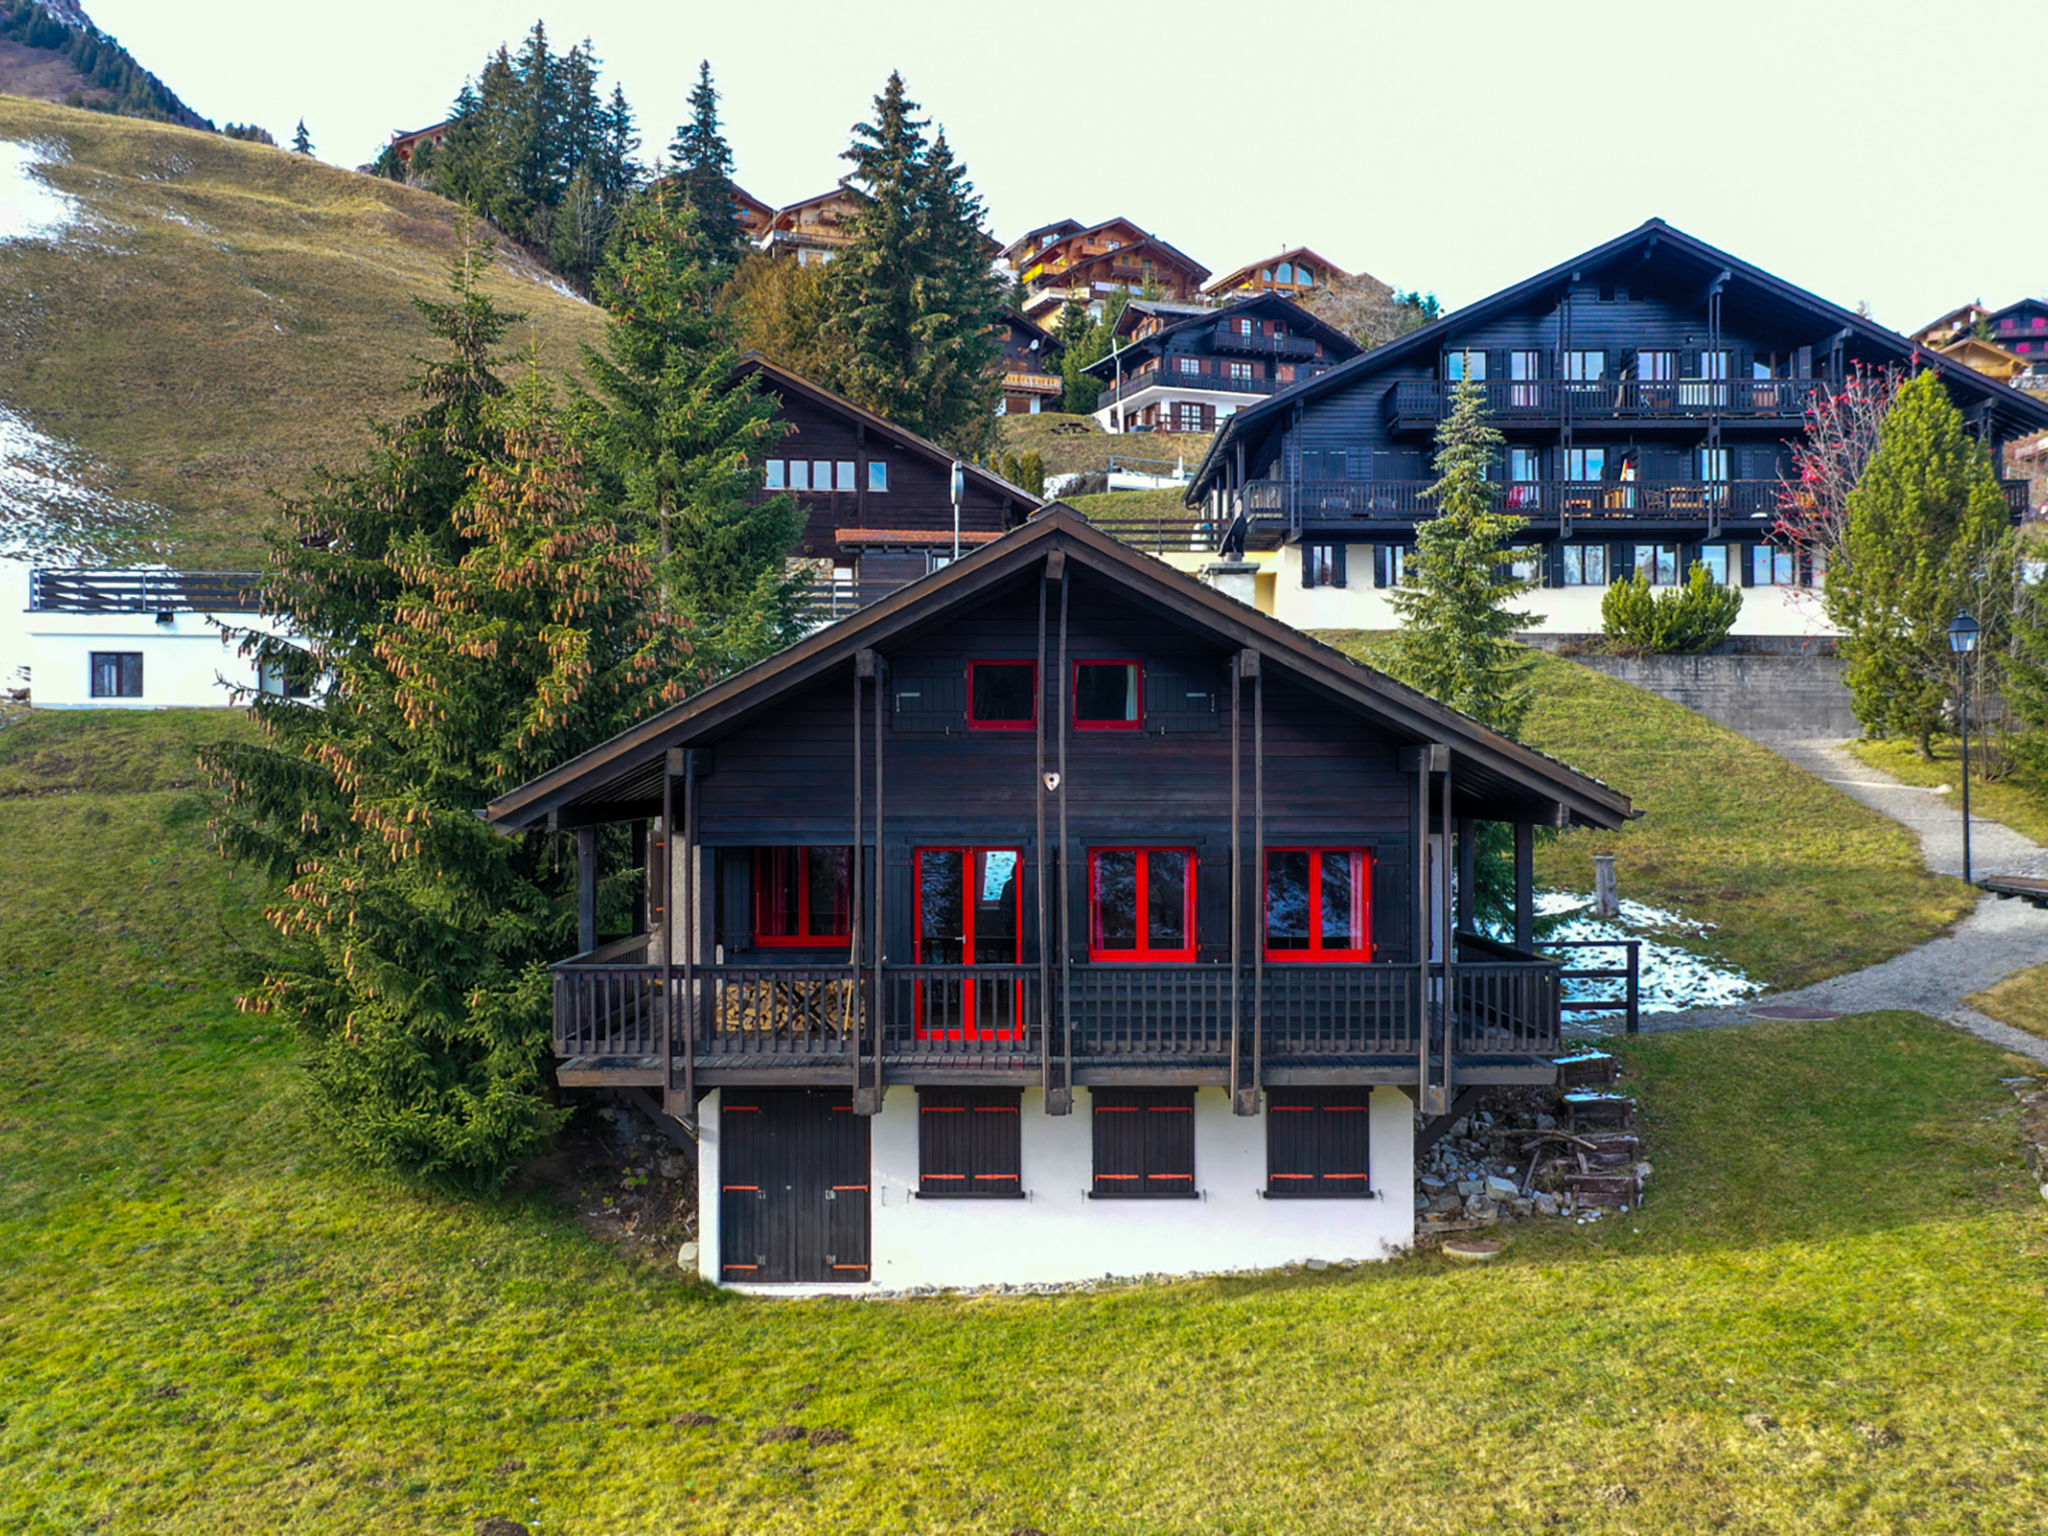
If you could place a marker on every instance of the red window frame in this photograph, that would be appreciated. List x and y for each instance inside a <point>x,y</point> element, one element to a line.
<point>1137,683</point>
<point>1144,953</point>
<point>806,938</point>
<point>1361,899</point>
<point>970,1028</point>
<point>1002,725</point>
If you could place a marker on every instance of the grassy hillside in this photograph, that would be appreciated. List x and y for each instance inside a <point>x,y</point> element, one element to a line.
<point>1166,505</point>
<point>226,315</point>
<point>1827,1318</point>
<point>1088,449</point>
<point>1801,881</point>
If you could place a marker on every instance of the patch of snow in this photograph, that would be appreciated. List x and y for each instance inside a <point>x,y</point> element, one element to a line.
<point>1672,977</point>
<point>30,208</point>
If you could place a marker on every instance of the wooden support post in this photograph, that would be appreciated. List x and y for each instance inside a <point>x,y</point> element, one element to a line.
<point>1468,872</point>
<point>637,835</point>
<point>1060,1099</point>
<point>1436,1097</point>
<point>877,929</point>
<point>686,931</point>
<point>1038,860</point>
<point>857,937</point>
<point>1525,886</point>
<point>1236,866</point>
<point>1248,1103</point>
<point>666,891</point>
<point>586,889</point>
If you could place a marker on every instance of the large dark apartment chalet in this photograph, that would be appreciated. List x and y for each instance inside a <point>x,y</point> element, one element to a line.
<point>1055,916</point>
<point>1186,367</point>
<point>1647,390</point>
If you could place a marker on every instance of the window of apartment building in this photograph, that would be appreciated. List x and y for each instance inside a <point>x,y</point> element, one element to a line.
<point>1585,464</point>
<point>970,1144</point>
<point>1584,565</point>
<point>1525,470</point>
<point>1189,365</point>
<point>1189,416</point>
<point>802,896</point>
<point>1106,695</point>
<point>1464,365</point>
<point>1389,564</point>
<point>1715,558</point>
<point>1659,562</point>
<point>1318,904</point>
<point>1144,1143</point>
<point>1002,695</point>
<point>1524,368</point>
<point>1240,370</point>
<point>1585,366</point>
<point>1656,366</point>
<point>1770,566</point>
<point>1318,1143</point>
<point>878,475</point>
<point>117,674</point>
<point>1322,565</point>
<point>1141,904</point>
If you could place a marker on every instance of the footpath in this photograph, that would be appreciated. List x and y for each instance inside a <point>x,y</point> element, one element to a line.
<point>1995,940</point>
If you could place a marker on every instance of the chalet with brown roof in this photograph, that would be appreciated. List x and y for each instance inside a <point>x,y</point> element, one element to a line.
<point>1295,272</point>
<point>815,229</point>
<point>1088,265</point>
<point>405,145</point>
<point>1031,366</point>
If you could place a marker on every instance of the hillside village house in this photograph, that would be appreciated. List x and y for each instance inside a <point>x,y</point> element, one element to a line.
<point>405,145</point>
<point>813,230</point>
<point>1032,381</point>
<point>1646,388</point>
<point>143,639</point>
<point>1186,367</point>
<point>1295,272</point>
<point>2022,329</point>
<point>1056,916</point>
<point>1063,261</point>
<point>878,500</point>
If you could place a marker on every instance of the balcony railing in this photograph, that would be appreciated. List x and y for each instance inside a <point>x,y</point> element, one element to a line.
<point>1420,404</point>
<point>1228,338</point>
<point>132,591</point>
<point>994,1015</point>
<point>1165,379</point>
<point>1038,383</point>
<point>1309,504</point>
<point>824,602</point>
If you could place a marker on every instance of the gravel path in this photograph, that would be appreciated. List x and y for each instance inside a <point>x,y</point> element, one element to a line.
<point>2000,937</point>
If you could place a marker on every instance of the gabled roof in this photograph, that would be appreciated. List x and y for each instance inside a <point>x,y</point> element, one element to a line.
<point>751,203</point>
<point>783,381</point>
<point>1016,319</point>
<point>1299,321</point>
<point>1493,777</point>
<point>1652,240</point>
<point>1962,318</point>
<point>1142,239</point>
<point>1057,228</point>
<point>1982,355</point>
<point>1325,268</point>
<point>2019,307</point>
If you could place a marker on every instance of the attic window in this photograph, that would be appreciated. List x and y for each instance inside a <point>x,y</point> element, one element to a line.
<point>1106,695</point>
<point>1002,695</point>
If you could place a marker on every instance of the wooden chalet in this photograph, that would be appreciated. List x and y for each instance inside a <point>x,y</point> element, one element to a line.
<point>1186,367</point>
<point>2022,329</point>
<point>1016,256</point>
<point>754,215</point>
<point>878,500</point>
<point>1032,381</point>
<point>405,145</point>
<point>815,229</point>
<point>1646,389</point>
<point>1055,916</point>
<point>1953,326</point>
<point>1295,272</point>
<point>1987,357</point>
<point>1087,265</point>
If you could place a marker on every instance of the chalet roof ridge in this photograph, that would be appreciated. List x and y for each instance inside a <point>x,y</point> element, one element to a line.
<point>1146,237</point>
<point>1275,259</point>
<point>1197,314</point>
<point>1655,229</point>
<point>765,364</point>
<point>1372,692</point>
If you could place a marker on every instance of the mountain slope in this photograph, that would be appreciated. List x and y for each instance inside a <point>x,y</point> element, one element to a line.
<point>218,317</point>
<point>51,50</point>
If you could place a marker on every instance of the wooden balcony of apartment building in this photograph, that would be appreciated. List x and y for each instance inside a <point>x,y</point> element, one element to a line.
<point>1418,405</point>
<point>1172,378</point>
<point>618,1018</point>
<point>1024,382</point>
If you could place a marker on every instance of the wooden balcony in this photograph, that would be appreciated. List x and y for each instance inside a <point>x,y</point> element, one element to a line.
<point>1291,508</point>
<point>1418,405</point>
<point>1106,1020</point>
<point>1024,383</point>
<point>1163,378</point>
<point>1228,338</point>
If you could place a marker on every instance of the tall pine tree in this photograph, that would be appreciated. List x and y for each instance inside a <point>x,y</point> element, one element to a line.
<point>302,141</point>
<point>702,162</point>
<point>476,617</point>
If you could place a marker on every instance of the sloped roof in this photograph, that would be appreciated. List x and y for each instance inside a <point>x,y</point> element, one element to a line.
<point>1653,239</point>
<point>1299,320</point>
<point>1325,268</point>
<point>1144,238</point>
<point>1491,774</point>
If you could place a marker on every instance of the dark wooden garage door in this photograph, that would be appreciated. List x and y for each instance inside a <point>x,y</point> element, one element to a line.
<point>794,1168</point>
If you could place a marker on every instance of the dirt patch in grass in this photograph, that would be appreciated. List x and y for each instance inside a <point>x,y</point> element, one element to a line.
<point>622,1181</point>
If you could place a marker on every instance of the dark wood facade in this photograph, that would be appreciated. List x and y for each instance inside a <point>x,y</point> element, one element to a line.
<point>1185,367</point>
<point>1092,263</point>
<point>1249,743</point>
<point>1032,381</point>
<point>1647,391</point>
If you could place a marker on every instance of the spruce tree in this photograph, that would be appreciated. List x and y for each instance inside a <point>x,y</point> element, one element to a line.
<point>1457,641</point>
<point>1928,536</point>
<point>302,142</point>
<point>476,618</point>
<point>702,161</point>
<point>681,436</point>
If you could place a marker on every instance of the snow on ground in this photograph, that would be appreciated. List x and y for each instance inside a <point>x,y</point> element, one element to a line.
<point>30,208</point>
<point>1672,978</point>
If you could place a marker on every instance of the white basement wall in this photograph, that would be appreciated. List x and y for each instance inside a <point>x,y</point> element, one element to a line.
<point>185,663</point>
<point>1058,1234</point>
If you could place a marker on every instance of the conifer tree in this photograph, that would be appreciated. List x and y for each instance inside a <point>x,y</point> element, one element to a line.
<point>681,436</point>
<point>1457,637</point>
<point>1928,536</point>
<point>476,618</point>
<point>702,161</point>
<point>302,142</point>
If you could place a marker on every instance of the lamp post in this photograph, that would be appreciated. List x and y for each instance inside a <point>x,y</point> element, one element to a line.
<point>1962,639</point>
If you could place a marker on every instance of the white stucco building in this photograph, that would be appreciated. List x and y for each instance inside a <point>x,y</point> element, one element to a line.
<point>143,639</point>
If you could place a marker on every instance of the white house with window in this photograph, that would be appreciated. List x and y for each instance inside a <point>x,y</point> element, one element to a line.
<point>146,639</point>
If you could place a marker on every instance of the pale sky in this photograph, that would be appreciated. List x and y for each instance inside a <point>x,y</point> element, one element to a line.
<point>1876,150</point>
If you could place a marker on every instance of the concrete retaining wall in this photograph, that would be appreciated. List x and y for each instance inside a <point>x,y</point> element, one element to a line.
<point>1797,696</point>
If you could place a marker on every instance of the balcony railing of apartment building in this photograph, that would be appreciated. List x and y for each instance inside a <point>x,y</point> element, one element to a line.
<point>1035,383</point>
<point>1417,405</point>
<point>1228,338</point>
<point>1167,378</point>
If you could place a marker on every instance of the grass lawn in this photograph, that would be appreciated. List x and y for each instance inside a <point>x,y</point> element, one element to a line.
<point>1089,450</point>
<point>2022,807</point>
<point>1165,505</point>
<point>2020,1000</point>
<point>229,316</point>
<point>1828,1319</point>
<point>1801,881</point>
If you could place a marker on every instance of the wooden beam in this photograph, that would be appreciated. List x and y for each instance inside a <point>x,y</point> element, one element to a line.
<point>675,1129</point>
<point>586,889</point>
<point>1525,885</point>
<point>1468,872</point>
<point>1440,1126</point>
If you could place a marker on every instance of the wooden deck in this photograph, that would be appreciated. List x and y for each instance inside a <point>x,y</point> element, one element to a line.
<point>2031,888</point>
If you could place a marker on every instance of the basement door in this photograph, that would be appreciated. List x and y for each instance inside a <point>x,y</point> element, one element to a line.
<point>793,1207</point>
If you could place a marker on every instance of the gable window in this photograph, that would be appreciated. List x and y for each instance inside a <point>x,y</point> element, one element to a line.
<point>1659,562</point>
<point>1585,565</point>
<point>1318,1143</point>
<point>821,474</point>
<point>1141,904</point>
<point>847,479</point>
<point>117,674</point>
<point>1318,904</point>
<point>970,1144</point>
<point>878,475</point>
<point>1106,695</point>
<point>802,896</point>
<point>1144,1143</point>
<point>1464,365</point>
<point>1002,695</point>
<point>1322,565</point>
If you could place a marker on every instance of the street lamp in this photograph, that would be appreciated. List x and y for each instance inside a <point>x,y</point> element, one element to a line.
<point>1962,639</point>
